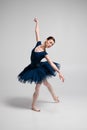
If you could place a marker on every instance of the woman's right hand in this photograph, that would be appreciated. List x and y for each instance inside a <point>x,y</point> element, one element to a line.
<point>36,20</point>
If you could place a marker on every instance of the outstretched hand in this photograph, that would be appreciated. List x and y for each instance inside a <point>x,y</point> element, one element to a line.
<point>61,77</point>
<point>36,20</point>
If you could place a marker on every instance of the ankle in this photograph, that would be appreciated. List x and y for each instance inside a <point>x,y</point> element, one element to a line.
<point>55,98</point>
<point>34,108</point>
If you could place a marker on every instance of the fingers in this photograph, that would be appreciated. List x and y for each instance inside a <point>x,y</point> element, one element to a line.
<point>61,78</point>
<point>35,19</point>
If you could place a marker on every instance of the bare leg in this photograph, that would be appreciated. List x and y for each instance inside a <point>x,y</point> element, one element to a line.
<point>48,85</point>
<point>35,96</point>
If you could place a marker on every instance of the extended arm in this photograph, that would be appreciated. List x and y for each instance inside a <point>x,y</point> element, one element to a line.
<point>54,67</point>
<point>37,30</point>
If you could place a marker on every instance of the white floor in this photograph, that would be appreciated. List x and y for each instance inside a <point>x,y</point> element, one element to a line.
<point>70,113</point>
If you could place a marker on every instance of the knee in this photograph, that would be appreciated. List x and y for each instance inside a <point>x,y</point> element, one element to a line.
<point>37,88</point>
<point>45,83</point>
<point>36,93</point>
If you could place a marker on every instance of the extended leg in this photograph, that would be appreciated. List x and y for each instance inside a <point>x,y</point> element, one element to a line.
<point>35,96</point>
<point>48,85</point>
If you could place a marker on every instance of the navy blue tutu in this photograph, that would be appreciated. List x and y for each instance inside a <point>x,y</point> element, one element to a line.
<point>37,71</point>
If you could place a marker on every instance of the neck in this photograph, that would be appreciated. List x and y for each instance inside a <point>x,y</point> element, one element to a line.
<point>43,46</point>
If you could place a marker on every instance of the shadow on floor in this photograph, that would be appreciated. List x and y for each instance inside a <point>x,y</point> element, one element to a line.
<point>19,102</point>
<point>22,102</point>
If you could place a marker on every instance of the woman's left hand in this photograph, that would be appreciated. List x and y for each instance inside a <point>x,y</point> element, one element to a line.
<point>61,77</point>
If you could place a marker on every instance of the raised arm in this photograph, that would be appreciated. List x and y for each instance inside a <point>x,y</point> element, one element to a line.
<point>54,67</point>
<point>37,29</point>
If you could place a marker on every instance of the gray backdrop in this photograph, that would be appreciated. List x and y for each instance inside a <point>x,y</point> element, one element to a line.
<point>66,20</point>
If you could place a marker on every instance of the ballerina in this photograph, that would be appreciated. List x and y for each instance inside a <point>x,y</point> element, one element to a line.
<point>38,71</point>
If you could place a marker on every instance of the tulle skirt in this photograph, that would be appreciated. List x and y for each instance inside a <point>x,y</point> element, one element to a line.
<point>37,73</point>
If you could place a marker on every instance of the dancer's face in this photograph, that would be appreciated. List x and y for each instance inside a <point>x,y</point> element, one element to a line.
<point>49,43</point>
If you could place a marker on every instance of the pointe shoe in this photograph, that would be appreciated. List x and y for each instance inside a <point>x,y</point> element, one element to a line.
<point>35,109</point>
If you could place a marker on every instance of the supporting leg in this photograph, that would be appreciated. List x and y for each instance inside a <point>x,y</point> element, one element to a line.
<point>35,96</point>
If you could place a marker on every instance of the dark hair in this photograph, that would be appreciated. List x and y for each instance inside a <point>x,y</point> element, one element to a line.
<point>50,37</point>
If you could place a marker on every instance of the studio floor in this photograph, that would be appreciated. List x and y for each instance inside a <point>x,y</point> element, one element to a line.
<point>70,113</point>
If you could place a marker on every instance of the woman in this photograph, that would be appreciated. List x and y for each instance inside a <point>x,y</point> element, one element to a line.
<point>38,71</point>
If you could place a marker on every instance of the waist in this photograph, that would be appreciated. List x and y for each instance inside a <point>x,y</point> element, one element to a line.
<point>35,64</point>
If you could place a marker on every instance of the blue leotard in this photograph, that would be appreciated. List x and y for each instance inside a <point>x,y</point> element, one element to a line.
<point>37,71</point>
